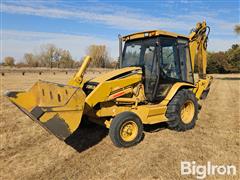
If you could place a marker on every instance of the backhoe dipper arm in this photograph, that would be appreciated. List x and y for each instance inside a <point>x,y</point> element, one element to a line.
<point>198,47</point>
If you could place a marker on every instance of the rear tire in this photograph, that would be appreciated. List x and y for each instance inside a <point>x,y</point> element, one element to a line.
<point>182,111</point>
<point>126,129</point>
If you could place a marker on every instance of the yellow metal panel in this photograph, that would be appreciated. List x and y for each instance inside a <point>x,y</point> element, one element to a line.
<point>44,94</point>
<point>157,110</point>
<point>112,111</point>
<point>102,91</point>
<point>26,99</point>
<point>151,33</point>
<point>120,93</point>
<point>155,119</point>
<point>104,77</point>
<point>51,94</point>
<point>150,114</point>
<point>193,48</point>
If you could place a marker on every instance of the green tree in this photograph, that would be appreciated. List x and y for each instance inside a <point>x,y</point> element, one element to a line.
<point>224,62</point>
<point>233,55</point>
<point>217,63</point>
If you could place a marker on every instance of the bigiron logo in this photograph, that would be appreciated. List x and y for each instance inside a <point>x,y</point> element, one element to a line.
<point>202,171</point>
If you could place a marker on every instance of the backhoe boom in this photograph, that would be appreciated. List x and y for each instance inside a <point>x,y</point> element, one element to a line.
<point>198,47</point>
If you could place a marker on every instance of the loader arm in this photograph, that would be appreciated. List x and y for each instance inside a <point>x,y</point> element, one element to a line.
<point>198,49</point>
<point>77,79</point>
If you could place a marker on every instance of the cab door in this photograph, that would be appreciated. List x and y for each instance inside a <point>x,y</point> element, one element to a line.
<point>185,61</point>
<point>151,72</point>
<point>169,70</point>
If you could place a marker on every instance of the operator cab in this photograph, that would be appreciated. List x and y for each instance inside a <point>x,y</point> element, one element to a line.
<point>164,60</point>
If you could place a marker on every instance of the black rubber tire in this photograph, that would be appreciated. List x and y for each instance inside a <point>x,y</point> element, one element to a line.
<point>174,109</point>
<point>115,127</point>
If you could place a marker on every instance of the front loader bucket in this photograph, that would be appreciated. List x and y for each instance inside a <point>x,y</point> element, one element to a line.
<point>56,107</point>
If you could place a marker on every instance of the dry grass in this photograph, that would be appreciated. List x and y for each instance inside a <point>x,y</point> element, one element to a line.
<point>29,152</point>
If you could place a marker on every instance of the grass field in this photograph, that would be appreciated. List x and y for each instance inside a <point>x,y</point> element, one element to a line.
<point>29,152</point>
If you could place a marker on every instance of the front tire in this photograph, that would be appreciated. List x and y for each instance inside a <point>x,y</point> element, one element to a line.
<point>126,129</point>
<point>182,111</point>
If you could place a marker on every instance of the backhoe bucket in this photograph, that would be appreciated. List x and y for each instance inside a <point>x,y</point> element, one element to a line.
<point>56,107</point>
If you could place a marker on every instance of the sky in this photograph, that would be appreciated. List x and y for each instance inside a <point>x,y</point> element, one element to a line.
<point>26,26</point>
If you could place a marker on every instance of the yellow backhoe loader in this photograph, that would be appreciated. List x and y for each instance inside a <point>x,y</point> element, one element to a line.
<point>155,83</point>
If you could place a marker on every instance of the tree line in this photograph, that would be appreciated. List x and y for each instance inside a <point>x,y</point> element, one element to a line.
<point>50,56</point>
<point>224,61</point>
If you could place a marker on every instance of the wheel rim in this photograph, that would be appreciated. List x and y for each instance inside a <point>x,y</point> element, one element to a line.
<point>129,131</point>
<point>187,111</point>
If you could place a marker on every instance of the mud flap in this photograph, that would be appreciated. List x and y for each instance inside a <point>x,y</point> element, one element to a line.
<point>56,107</point>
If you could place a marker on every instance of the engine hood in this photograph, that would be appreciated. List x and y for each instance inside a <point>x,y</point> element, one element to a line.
<point>118,73</point>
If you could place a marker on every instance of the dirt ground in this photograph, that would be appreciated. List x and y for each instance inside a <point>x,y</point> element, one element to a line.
<point>29,152</point>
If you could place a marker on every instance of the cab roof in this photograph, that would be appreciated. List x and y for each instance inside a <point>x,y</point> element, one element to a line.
<point>151,33</point>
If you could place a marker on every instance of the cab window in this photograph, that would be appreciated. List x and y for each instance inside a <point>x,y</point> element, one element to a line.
<point>169,58</point>
<point>185,61</point>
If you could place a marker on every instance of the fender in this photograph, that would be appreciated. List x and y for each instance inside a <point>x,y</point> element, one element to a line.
<point>174,89</point>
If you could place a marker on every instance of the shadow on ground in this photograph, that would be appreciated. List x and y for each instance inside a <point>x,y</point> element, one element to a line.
<point>155,127</point>
<point>86,136</point>
<point>90,135</point>
<point>229,78</point>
